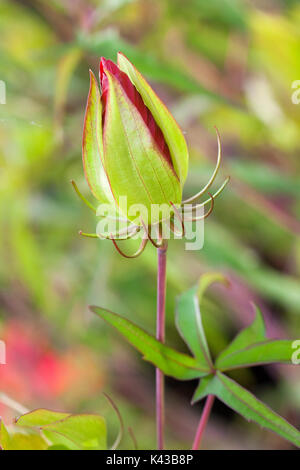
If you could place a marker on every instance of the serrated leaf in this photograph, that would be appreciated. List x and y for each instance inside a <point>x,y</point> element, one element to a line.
<point>257,354</point>
<point>247,405</point>
<point>171,362</point>
<point>189,319</point>
<point>254,333</point>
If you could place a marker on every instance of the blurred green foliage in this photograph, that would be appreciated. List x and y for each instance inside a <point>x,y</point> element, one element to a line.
<point>224,63</point>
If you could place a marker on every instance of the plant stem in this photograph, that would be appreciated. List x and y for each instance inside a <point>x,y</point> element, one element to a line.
<point>203,421</point>
<point>160,336</point>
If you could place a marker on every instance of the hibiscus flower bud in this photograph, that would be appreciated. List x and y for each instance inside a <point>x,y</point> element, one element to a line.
<point>132,146</point>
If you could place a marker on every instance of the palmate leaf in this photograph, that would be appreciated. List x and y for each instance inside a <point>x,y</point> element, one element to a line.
<point>81,431</point>
<point>171,362</point>
<point>254,333</point>
<point>189,321</point>
<point>257,354</point>
<point>251,347</point>
<point>246,404</point>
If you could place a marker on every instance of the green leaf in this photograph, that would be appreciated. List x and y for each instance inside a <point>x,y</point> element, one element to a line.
<point>40,417</point>
<point>190,327</point>
<point>4,436</point>
<point>206,280</point>
<point>84,431</point>
<point>58,441</point>
<point>87,431</point>
<point>171,362</point>
<point>256,354</point>
<point>203,388</point>
<point>58,447</point>
<point>254,333</point>
<point>20,441</point>
<point>247,405</point>
<point>189,320</point>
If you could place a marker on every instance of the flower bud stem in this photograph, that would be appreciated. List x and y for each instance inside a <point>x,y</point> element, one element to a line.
<point>160,336</point>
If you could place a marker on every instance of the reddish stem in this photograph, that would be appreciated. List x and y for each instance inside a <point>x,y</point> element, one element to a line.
<point>160,335</point>
<point>203,421</point>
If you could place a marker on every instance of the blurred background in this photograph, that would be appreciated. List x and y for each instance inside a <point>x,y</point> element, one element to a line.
<point>226,63</point>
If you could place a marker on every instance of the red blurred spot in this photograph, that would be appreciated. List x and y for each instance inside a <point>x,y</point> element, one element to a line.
<point>36,374</point>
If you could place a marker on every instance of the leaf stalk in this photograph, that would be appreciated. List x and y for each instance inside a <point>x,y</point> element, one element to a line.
<point>203,421</point>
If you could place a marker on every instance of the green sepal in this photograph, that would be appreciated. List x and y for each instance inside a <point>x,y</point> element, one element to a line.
<point>135,167</point>
<point>92,145</point>
<point>169,127</point>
